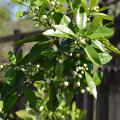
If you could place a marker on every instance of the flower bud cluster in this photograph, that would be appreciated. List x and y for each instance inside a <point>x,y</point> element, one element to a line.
<point>3,66</point>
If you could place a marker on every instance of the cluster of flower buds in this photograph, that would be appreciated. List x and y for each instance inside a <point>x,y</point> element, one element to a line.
<point>96,8</point>
<point>3,66</point>
<point>54,2</point>
<point>80,70</point>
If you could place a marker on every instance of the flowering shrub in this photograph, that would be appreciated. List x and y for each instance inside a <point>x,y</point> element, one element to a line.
<point>61,62</point>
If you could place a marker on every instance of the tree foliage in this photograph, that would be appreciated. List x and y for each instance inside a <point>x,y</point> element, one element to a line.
<point>61,62</point>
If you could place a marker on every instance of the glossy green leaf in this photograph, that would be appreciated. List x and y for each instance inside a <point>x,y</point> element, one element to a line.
<point>105,58</point>
<point>31,97</point>
<point>36,50</point>
<point>93,3</point>
<point>9,102</point>
<point>96,23</point>
<point>99,45</point>
<point>23,114</point>
<point>40,38</point>
<point>81,18</point>
<point>97,78</point>
<point>19,14</point>
<point>104,8</point>
<point>56,33</point>
<point>53,102</point>
<point>49,52</point>
<point>109,46</point>
<point>47,2</point>
<point>103,16</point>
<point>10,76</point>
<point>65,20</point>
<point>11,57</point>
<point>59,70</point>
<point>19,56</point>
<point>64,29</point>
<point>92,55</point>
<point>91,84</point>
<point>102,32</point>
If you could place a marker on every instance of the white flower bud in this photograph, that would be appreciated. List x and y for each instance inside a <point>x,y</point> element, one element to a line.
<point>77,69</point>
<point>70,54</point>
<point>82,72</point>
<point>80,68</point>
<point>88,89</point>
<point>60,61</point>
<point>1,66</point>
<point>44,16</point>
<point>41,108</point>
<point>78,84</point>
<point>66,84</point>
<point>83,91</point>
<point>85,65</point>
<point>79,75</point>
<point>23,69</point>
<point>86,69</point>
<point>82,41</point>
<point>38,66</point>
<point>75,73</point>
<point>77,55</point>
<point>75,42</point>
<point>53,3</point>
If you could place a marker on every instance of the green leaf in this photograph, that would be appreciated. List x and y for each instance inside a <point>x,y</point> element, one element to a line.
<point>10,76</point>
<point>102,32</point>
<point>1,105</point>
<point>93,3</point>
<point>36,50</point>
<point>53,103</point>
<point>19,56</point>
<point>65,20</point>
<point>19,14</point>
<point>64,29</point>
<point>17,2</point>
<point>60,10</point>
<point>91,84</point>
<point>81,18</point>
<point>11,57</point>
<point>47,2</point>
<point>96,23</point>
<point>103,16</point>
<point>40,38</point>
<point>109,46</point>
<point>92,55</point>
<point>104,58</point>
<point>97,78</point>
<point>31,97</point>
<point>49,52</point>
<point>9,102</point>
<point>59,70</point>
<point>99,45</point>
<point>104,8</point>
<point>56,33</point>
<point>23,114</point>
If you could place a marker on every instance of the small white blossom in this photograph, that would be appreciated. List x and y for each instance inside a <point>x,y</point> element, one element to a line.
<point>44,16</point>
<point>88,89</point>
<point>78,84</point>
<point>66,84</point>
<point>83,91</point>
<point>79,75</point>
